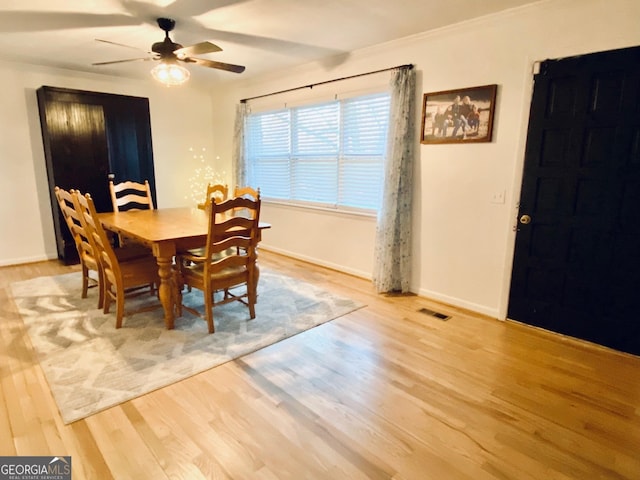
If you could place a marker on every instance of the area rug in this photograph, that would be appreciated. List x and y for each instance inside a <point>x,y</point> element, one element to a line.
<point>91,366</point>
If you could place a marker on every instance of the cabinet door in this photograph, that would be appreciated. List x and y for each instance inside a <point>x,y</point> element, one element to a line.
<point>129,140</point>
<point>87,136</point>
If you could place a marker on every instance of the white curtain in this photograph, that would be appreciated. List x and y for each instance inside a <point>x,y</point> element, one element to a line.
<point>392,263</point>
<point>238,161</point>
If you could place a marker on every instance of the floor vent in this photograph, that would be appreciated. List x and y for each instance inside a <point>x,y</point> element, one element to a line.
<point>438,315</point>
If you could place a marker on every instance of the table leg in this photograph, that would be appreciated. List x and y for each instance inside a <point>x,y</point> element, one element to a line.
<point>164,256</point>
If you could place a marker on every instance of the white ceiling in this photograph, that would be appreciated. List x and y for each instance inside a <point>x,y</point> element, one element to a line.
<point>263,35</point>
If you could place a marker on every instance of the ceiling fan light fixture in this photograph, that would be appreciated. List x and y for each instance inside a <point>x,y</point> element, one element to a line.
<point>170,74</point>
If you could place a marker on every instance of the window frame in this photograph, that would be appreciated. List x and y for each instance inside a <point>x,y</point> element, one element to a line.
<point>341,157</point>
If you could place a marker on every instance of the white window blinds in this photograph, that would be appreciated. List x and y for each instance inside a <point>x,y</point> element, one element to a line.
<point>328,154</point>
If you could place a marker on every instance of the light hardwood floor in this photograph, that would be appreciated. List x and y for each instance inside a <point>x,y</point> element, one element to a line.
<point>384,392</point>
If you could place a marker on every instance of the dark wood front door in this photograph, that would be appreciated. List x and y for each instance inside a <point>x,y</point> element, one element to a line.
<point>576,268</point>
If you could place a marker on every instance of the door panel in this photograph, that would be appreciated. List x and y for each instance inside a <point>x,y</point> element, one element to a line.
<point>576,264</point>
<point>129,135</point>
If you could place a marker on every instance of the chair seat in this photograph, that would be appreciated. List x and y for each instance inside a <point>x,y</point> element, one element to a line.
<point>195,252</point>
<point>89,261</point>
<point>196,271</point>
<point>201,252</point>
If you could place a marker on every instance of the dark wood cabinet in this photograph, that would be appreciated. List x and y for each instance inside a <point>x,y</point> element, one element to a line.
<point>90,137</point>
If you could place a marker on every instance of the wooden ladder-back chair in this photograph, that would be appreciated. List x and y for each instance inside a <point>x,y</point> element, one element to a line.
<point>130,195</point>
<point>88,259</point>
<point>217,192</point>
<point>229,259</point>
<point>247,192</point>
<point>118,276</point>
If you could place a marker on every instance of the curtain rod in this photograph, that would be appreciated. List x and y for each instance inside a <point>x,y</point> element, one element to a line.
<point>409,66</point>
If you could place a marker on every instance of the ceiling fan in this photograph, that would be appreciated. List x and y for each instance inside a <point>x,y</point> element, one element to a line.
<point>170,53</point>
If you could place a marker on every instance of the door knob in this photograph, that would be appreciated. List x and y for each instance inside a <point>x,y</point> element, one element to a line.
<point>525,219</point>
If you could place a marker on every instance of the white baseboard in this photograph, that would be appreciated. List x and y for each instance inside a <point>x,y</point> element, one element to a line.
<point>316,261</point>
<point>36,258</point>
<point>457,302</point>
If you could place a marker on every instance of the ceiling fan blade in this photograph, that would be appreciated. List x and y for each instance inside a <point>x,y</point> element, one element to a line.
<point>196,28</point>
<point>33,21</point>
<point>123,61</point>
<point>197,49</point>
<point>118,44</point>
<point>219,65</point>
<point>194,8</point>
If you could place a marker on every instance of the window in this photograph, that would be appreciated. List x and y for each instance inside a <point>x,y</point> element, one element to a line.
<point>329,154</point>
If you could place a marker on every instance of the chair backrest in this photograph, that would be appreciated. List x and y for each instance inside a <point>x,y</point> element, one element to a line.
<point>98,237</point>
<point>130,195</point>
<point>65,202</point>
<point>216,192</point>
<point>232,239</point>
<point>74,222</point>
<point>247,192</point>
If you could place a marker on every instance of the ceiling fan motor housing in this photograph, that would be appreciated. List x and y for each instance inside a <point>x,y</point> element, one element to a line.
<point>166,48</point>
<point>166,24</point>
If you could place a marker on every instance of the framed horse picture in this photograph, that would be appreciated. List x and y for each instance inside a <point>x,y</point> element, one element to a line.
<point>464,115</point>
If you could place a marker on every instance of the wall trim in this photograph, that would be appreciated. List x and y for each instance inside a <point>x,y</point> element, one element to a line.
<point>19,261</point>
<point>316,261</point>
<point>457,302</point>
<point>426,294</point>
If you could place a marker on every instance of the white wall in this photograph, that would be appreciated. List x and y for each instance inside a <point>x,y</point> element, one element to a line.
<point>462,242</point>
<point>181,118</point>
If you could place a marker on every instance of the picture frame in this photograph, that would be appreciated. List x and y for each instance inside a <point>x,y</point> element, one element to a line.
<point>463,115</point>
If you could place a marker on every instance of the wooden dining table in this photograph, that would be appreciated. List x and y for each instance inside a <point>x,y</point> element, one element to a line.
<point>166,231</point>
